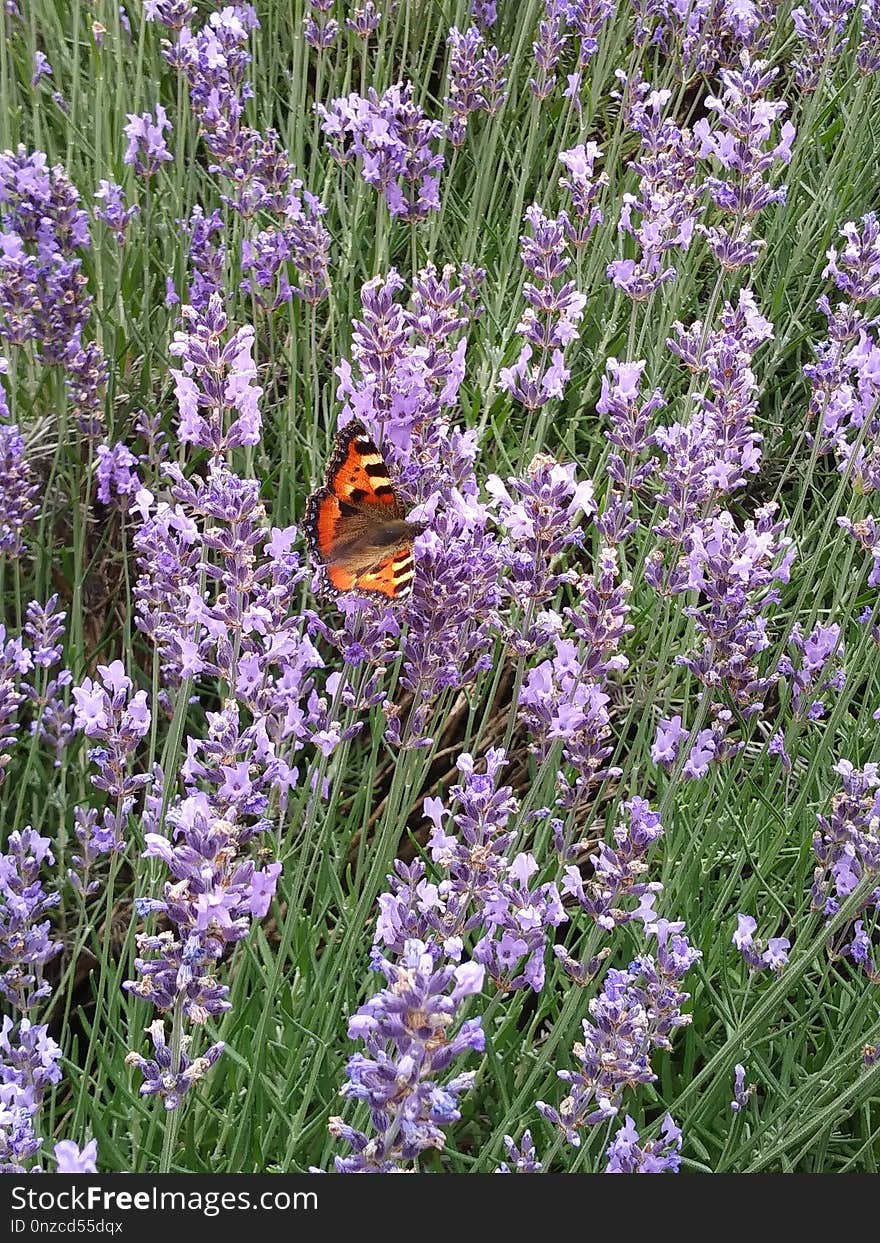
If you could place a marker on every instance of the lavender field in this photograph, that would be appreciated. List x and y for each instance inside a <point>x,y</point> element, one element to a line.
<point>556,847</point>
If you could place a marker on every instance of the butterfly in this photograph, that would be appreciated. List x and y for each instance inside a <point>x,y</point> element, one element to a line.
<point>355,524</point>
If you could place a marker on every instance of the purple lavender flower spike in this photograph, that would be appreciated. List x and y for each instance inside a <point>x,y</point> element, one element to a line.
<point>476,80</point>
<point>741,1093</point>
<point>584,187</point>
<point>118,479</point>
<point>703,32</point>
<point>118,720</point>
<point>26,944</point>
<point>627,1155</point>
<point>846,849</point>
<point>392,138</point>
<point>474,861</point>
<point>549,323</point>
<point>559,703</point>
<point>662,216</point>
<point>147,150</point>
<point>630,416</point>
<point>855,268</point>
<point>406,1029</point>
<point>587,19</point>
<point>214,60</point>
<point>216,394</point>
<point>18,489</point>
<point>320,30</point>
<point>161,1077</point>
<point>868,50</point>
<point>618,870</point>
<point>845,378</point>
<point>540,513</point>
<point>175,14</point>
<point>115,215</point>
<point>42,287</point>
<point>42,68</point>
<point>818,27</point>
<point>364,20</point>
<point>745,147</point>
<point>28,1069</point>
<point>736,573</point>
<point>638,1010</point>
<point>522,1156</point>
<point>485,12</point>
<point>754,955</point>
<point>548,48</point>
<point>813,666</point>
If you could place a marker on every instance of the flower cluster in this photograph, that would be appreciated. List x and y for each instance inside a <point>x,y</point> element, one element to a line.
<point>618,873</point>
<point>813,666</point>
<point>539,513</point>
<point>627,1155</point>
<point>847,849</point>
<point>666,205</point>
<point>408,1044</point>
<point>717,448</point>
<point>845,379</point>
<point>630,418</point>
<point>586,18</point>
<point>476,80</point>
<point>29,1056</point>
<point>45,692</point>
<point>25,680</point>
<point>118,479</point>
<point>147,149</point>
<point>108,712</point>
<point>706,33</point>
<point>754,955</point>
<point>175,14</point>
<point>409,366</point>
<point>214,892</point>
<point>26,942</point>
<point>548,48</point>
<point>741,1093</point>
<point>560,705</point>
<point>522,1156</point>
<point>28,1069</point>
<point>207,258</point>
<point>584,187</point>
<point>818,27</point>
<point>214,61</point>
<point>320,30</point>
<point>301,239</point>
<point>392,138</point>
<point>736,575</point>
<point>743,144</point>
<point>554,310</point>
<point>637,1011</point>
<point>43,296</point>
<point>868,48</point>
<point>480,895</point>
<point>364,21</point>
<point>217,398</point>
<point>112,210</point>
<point>18,489</point>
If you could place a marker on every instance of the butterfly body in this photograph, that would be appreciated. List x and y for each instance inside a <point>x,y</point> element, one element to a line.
<point>355,524</point>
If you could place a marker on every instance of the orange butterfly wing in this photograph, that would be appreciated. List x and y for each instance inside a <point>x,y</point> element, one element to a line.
<point>392,579</point>
<point>357,472</point>
<point>357,476</point>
